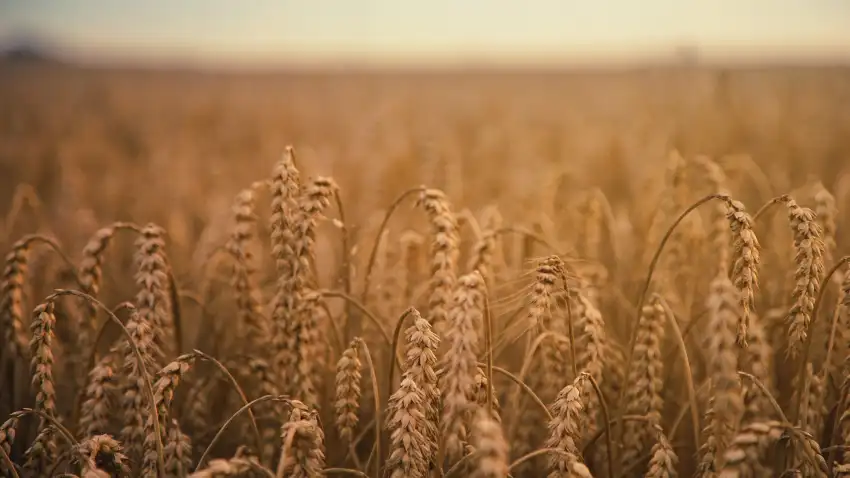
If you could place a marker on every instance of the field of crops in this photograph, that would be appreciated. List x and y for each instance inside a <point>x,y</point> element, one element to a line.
<point>609,273</point>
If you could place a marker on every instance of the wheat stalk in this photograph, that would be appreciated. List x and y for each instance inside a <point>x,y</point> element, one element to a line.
<point>826,212</point>
<point>165,384</point>
<point>250,316</point>
<point>726,408</point>
<point>177,451</point>
<point>90,279</point>
<point>465,320</point>
<point>347,404</point>
<point>8,431</point>
<point>290,314</point>
<point>565,431</point>
<point>664,459</point>
<point>43,335</point>
<point>645,385</point>
<point>809,247</point>
<point>745,251</point>
<point>490,447</point>
<point>98,398</point>
<point>102,453</point>
<point>444,255</point>
<point>152,299</point>
<point>134,401</point>
<point>307,439</point>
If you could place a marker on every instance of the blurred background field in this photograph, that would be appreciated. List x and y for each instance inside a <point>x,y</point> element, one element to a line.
<point>170,108</point>
<point>175,146</point>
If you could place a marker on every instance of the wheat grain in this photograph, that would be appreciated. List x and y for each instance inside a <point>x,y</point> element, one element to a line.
<point>444,255</point>
<point>664,460</point>
<point>164,386</point>
<point>565,432</point>
<point>809,249</point>
<point>43,335</point>
<point>285,189</point>
<point>40,451</point>
<point>90,280</point>
<point>490,446</point>
<point>8,431</point>
<point>420,368</point>
<point>726,409</point>
<point>177,451</point>
<point>456,383</point>
<point>11,295</point>
<point>134,401</point>
<point>347,404</point>
<point>250,316</point>
<point>98,398</point>
<point>152,299</point>
<point>220,468</point>
<point>290,313</point>
<point>102,453</point>
<point>645,385</point>
<point>745,250</point>
<point>307,442</point>
<point>591,345</point>
<point>826,212</point>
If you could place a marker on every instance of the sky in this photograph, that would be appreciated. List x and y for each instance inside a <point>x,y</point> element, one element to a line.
<point>257,32</point>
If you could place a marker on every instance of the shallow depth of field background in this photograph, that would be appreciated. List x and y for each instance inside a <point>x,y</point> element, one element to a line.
<point>175,147</point>
<point>171,118</point>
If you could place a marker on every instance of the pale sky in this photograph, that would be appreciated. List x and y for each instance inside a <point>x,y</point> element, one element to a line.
<point>265,31</point>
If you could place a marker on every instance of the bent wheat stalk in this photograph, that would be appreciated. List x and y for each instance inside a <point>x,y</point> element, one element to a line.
<point>140,363</point>
<point>689,378</point>
<point>246,407</point>
<point>374,254</point>
<point>238,389</point>
<point>807,347</point>
<point>645,289</point>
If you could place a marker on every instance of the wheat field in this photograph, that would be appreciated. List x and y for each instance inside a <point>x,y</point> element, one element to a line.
<point>608,273</point>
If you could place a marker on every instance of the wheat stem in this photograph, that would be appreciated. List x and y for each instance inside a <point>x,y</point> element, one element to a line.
<point>238,390</point>
<point>246,407</point>
<point>140,364</point>
<point>807,347</point>
<point>394,347</point>
<point>374,254</point>
<point>689,377</point>
<point>9,464</point>
<point>377,396</point>
<point>645,288</point>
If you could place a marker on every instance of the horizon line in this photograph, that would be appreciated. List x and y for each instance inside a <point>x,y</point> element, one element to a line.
<point>601,55</point>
